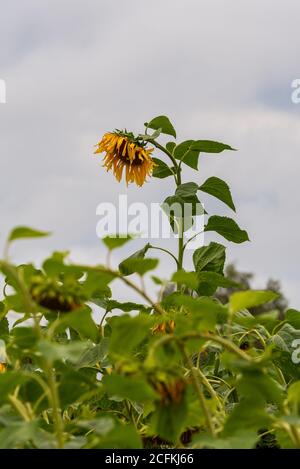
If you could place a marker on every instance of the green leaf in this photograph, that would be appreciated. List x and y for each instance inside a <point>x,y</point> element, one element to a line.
<point>250,298</point>
<point>74,383</point>
<point>227,228</point>
<point>168,420</point>
<point>269,320</point>
<point>139,266</point>
<point>292,316</point>
<point>294,394</point>
<point>121,437</point>
<point>161,170</point>
<point>96,284</point>
<point>22,232</point>
<point>128,332</point>
<point>125,268</point>
<point>4,327</point>
<point>219,189</point>
<point>256,385</point>
<point>126,307</point>
<point>285,336</point>
<point>186,190</point>
<point>241,417</point>
<point>185,195</point>
<point>25,338</point>
<point>186,153</point>
<point>182,209</point>
<point>128,387</point>
<point>113,242</point>
<point>94,354</point>
<point>210,146</point>
<point>208,282</point>
<point>157,280</point>
<point>9,382</point>
<point>163,123</point>
<point>81,320</point>
<point>206,313</point>
<point>242,439</point>
<point>201,305</point>
<point>58,352</point>
<point>210,258</point>
<point>190,279</point>
<point>17,434</point>
<point>101,426</point>
<point>189,150</point>
<point>55,267</point>
<point>216,279</point>
<point>170,147</point>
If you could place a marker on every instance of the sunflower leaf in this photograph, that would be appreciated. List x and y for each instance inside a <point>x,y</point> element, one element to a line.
<point>219,189</point>
<point>125,267</point>
<point>21,232</point>
<point>163,123</point>
<point>161,170</point>
<point>116,241</point>
<point>227,228</point>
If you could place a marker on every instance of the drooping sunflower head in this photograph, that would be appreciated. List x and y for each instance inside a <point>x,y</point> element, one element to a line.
<point>52,294</point>
<point>164,327</point>
<point>170,389</point>
<point>123,150</point>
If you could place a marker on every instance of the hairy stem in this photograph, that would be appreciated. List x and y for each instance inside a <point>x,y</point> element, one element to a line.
<point>166,152</point>
<point>54,398</point>
<point>198,389</point>
<point>164,250</point>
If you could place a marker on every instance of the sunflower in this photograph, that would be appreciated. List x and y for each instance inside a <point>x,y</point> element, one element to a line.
<point>171,390</point>
<point>52,294</point>
<point>2,367</point>
<point>123,150</point>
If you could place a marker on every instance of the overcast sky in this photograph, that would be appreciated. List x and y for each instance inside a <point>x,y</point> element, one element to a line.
<point>220,69</point>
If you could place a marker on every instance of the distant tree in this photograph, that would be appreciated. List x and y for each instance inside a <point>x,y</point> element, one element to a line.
<point>244,280</point>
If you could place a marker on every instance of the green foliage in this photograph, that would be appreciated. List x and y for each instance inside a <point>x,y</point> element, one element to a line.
<point>250,298</point>
<point>210,258</point>
<point>219,189</point>
<point>161,170</point>
<point>126,387</point>
<point>177,369</point>
<point>129,265</point>
<point>22,232</point>
<point>188,151</point>
<point>112,242</point>
<point>227,228</point>
<point>163,123</point>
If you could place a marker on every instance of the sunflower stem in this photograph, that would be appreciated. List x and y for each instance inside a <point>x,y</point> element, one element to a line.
<point>166,251</point>
<point>166,152</point>
<point>180,232</point>
<point>199,390</point>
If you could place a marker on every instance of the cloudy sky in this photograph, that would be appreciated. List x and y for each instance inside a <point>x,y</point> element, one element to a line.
<point>219,69</point>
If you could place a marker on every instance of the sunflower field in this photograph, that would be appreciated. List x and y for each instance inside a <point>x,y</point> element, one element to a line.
<point>177,369</point>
